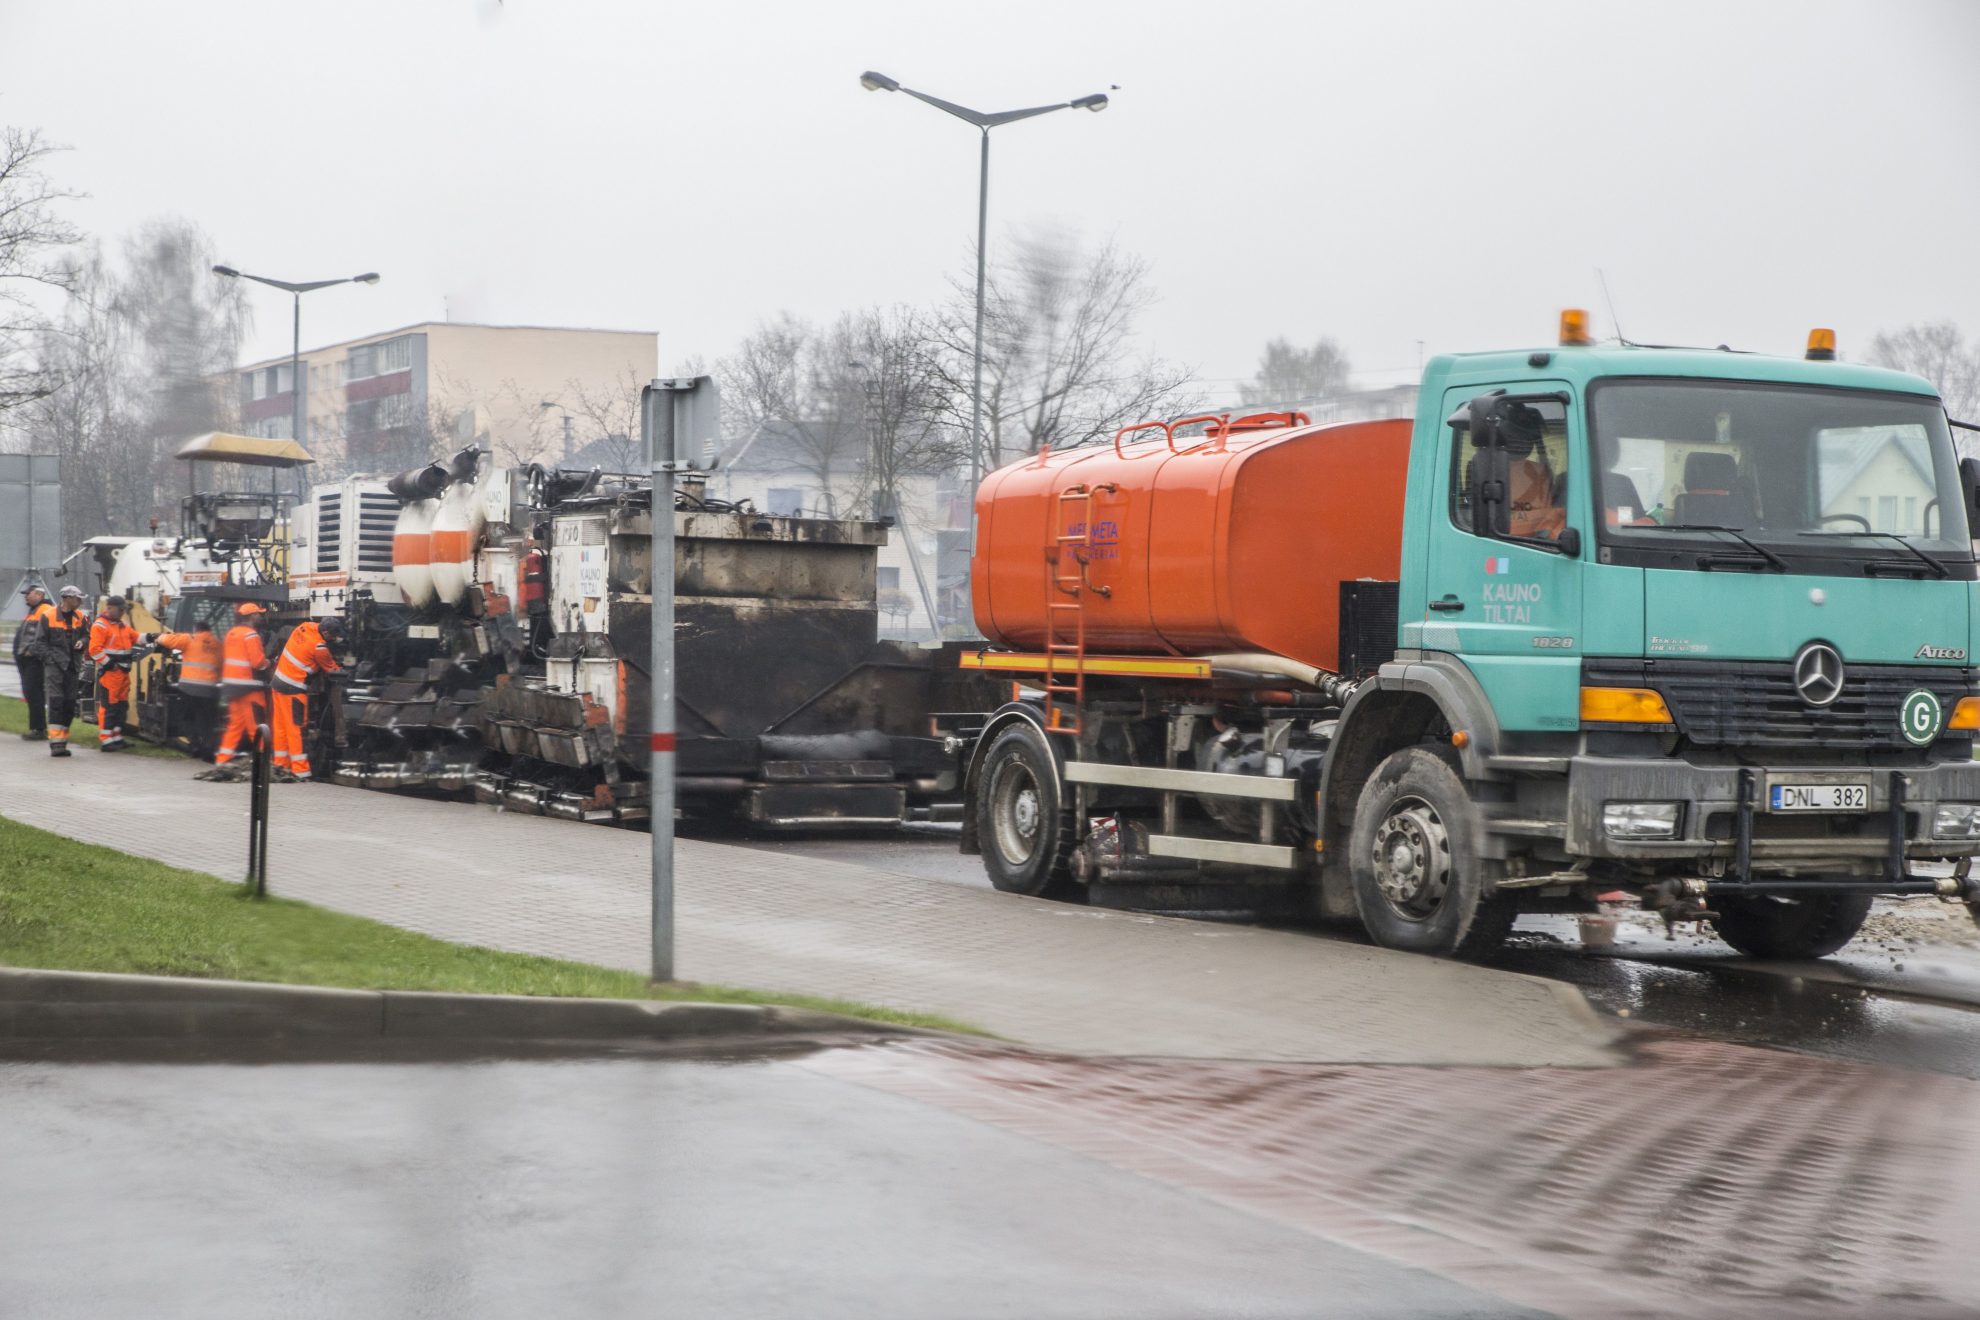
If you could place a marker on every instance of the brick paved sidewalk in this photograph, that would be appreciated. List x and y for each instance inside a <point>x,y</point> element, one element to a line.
<point>1048,974</point>
<point>1710,1181</point>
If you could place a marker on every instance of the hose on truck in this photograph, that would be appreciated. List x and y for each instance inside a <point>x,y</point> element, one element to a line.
<point>1331,686</point>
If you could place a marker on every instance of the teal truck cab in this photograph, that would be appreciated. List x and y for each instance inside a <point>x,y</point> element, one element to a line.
<point>1693,625</point>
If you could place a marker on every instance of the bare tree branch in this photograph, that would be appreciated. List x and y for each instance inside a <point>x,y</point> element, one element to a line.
<point>1060,362</point>
<point>34,238</point>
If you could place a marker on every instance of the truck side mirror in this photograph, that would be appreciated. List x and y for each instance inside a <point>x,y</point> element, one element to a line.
<point>1969,484</point>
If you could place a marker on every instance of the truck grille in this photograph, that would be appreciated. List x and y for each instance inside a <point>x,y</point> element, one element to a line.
<point>1752,703</point>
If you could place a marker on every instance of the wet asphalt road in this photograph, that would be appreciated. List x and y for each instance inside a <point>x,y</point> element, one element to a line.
<point>608,1188</point>
<point>1692,985</point>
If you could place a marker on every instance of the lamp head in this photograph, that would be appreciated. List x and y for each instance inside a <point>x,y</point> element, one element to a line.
<point>1096,102</point>
<point>369,277</point>
<point>228,271</point>
<point>878,82</point>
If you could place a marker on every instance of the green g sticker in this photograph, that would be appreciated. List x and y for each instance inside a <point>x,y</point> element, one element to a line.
<point>1920,717</point>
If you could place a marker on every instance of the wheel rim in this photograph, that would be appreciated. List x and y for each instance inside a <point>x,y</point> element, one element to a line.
<point>1412,859</point>
<point>1016,811</point>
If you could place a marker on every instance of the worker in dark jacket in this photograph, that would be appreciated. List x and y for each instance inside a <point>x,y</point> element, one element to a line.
<point>27,662</point>
<point>63,644</point>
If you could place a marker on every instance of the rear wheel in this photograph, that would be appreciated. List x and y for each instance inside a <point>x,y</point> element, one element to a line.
<point>1418,878</point>
<point>1023,827</point>
<point>1809,926</point>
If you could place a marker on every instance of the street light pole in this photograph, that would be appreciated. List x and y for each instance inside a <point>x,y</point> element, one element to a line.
<point>976,387</point>
<point>299,417</point>
<point>880,82</point>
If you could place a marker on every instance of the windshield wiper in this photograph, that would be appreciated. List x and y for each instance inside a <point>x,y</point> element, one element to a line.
<point>1938,569</point>
<point>1773,560</point>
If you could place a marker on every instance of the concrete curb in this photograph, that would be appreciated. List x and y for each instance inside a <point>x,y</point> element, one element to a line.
<point>55,1006</point>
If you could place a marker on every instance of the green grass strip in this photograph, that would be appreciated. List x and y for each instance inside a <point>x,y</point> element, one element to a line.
<point>80,907</point>
<point>14,720</point>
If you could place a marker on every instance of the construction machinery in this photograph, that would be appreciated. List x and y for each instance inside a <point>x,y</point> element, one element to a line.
<point>1693,625</point>
<point>790,712</point>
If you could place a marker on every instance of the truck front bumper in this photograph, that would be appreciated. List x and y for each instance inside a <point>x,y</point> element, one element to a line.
<point>1724,820</point>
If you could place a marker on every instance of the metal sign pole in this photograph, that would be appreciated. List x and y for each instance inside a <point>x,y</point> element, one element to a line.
<point>675,415</point>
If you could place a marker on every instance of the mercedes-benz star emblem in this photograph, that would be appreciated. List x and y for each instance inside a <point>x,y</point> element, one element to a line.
<point>1818,673</point>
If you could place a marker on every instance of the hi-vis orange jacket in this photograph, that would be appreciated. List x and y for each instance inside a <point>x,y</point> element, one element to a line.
<point>199,660</point>
<point>305,654</point>
<point>245,661</point>
<point>111,642</point>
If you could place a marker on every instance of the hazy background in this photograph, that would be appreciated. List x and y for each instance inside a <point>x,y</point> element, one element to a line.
<point>1403,177</point>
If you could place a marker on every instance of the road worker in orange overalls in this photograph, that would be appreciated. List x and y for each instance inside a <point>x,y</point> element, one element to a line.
<point>112,642</point>
<point>243,687</point>
<point>198,682</point>
<point>307,652</point>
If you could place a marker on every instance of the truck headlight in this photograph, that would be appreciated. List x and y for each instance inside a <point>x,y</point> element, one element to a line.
<point>1640,820</point>
<point>1956,820</point>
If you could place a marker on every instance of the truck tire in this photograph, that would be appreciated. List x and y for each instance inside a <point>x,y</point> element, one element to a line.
<point>1812,926</point>
<point>1025,831</point>
<point>1413,854</point>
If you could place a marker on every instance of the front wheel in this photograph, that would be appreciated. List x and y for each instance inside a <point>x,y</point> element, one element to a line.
<point>1023,827</point>
<point>1418,877</point>
<point>1810,926</point>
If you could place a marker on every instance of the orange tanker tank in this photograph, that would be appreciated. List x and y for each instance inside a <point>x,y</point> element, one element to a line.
<point>1232,541</point>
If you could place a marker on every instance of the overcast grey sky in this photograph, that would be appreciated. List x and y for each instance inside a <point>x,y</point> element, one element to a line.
<point>1385,173</point>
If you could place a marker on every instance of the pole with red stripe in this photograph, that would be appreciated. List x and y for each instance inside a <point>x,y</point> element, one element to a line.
<point>676,417</point>
<point>657,417</point>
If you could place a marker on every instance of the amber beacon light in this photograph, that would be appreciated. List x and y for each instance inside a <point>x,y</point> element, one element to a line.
<point>1821,346</point>
<point>1574,328</point>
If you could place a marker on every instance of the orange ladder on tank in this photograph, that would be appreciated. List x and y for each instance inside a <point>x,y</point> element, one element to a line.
<point>1065,620</point>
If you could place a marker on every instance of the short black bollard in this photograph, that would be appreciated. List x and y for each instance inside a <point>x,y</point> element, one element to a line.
<point>257,876</point>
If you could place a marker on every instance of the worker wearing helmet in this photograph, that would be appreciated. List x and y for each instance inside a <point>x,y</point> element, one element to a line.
<point>534,588</point>
<point>307,652</point>
<point>112,641</point>
<point>243,688</point>
<point>27,661</point>
<point>63,645</point>
<point>198,681</point>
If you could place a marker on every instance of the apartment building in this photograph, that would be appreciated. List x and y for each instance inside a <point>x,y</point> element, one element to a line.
<point>391,398</point>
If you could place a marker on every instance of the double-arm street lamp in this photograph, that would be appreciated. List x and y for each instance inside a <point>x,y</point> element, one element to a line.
<point>880,82</point>
<point>295,355</point>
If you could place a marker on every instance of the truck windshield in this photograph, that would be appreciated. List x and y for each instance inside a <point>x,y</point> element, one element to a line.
<point>1776,463</point>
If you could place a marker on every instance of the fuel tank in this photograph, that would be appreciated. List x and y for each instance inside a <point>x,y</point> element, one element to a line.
<point>1237,541</point>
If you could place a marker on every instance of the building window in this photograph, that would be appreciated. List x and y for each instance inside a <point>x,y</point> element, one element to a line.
<point>1910,514</point>
<point>785,501</point>
<point>1886,513</point>
<point>890,579</point>
<point>379,359</point>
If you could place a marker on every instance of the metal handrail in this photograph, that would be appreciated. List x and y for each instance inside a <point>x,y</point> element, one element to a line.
<point>1167,431</point>
<point>1222,421</point>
